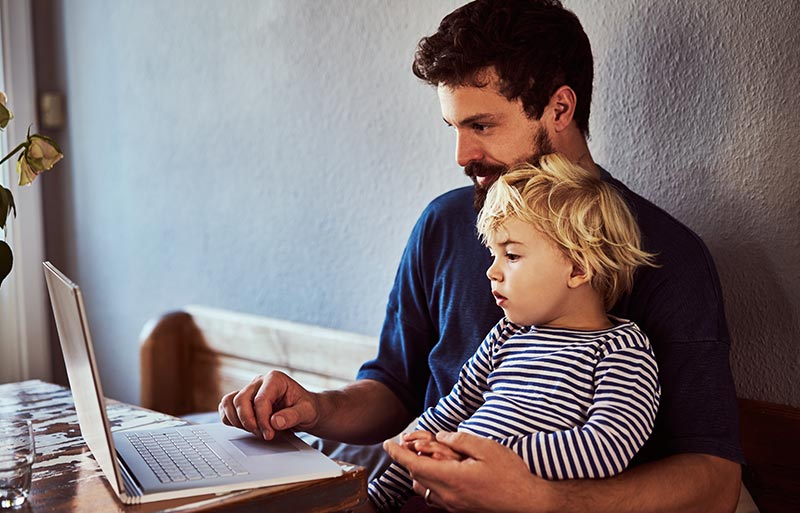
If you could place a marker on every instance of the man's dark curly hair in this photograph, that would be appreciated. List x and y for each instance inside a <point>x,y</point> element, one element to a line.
<point>535,46</point>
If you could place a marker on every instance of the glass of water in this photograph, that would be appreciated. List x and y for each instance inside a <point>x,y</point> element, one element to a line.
<point>16,459</point>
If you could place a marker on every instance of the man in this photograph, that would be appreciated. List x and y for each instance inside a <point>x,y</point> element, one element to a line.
<point>514,80</point>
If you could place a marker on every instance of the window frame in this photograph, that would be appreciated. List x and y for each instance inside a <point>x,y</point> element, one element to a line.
<point>24,307</point>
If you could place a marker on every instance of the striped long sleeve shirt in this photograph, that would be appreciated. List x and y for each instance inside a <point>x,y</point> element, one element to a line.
<point>571,404</point>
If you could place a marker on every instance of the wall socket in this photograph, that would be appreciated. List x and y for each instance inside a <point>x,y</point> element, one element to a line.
<point>51,110</point>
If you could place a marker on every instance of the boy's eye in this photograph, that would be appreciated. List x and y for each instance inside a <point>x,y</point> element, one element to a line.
<point>512,256</point>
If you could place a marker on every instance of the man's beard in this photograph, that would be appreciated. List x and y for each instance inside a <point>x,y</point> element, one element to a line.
<point>542,145</point>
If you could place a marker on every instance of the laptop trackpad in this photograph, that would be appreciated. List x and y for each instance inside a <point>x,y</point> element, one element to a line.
<point>252,446</point>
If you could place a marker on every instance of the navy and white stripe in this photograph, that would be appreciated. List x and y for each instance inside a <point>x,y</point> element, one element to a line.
<point>572,404</point>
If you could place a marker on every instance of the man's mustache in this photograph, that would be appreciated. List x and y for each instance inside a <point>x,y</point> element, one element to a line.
<point>475,169</point>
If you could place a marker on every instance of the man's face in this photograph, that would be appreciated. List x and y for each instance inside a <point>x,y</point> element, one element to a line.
<point>492,133</point>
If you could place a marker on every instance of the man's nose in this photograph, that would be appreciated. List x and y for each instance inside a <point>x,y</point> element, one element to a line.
<point>467,149</point>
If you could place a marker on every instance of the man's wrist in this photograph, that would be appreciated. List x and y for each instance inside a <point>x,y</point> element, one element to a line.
<point>556,496</point>
<point>326,404</point>
<point>535,495</point>
<point>547,495</point>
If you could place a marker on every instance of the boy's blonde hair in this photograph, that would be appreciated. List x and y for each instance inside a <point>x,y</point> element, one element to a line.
<point>586,217</point>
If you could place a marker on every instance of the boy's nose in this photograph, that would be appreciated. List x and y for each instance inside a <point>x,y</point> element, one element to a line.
<point>493,274</point>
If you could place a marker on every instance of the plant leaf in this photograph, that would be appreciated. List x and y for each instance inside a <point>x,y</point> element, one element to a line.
<point>6,206</point>
<point>6,260</point>
<point>5,115</point>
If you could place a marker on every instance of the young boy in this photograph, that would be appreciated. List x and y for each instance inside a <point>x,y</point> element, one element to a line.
<point>571,390</point>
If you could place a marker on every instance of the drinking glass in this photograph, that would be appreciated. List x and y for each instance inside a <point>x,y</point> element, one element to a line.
<point>16,459</point>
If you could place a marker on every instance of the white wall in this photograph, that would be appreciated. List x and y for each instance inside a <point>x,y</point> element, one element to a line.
<point>271,157</point>
<point>696,108</point>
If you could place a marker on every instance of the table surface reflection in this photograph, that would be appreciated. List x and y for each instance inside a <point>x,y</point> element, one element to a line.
<point>66,477</point>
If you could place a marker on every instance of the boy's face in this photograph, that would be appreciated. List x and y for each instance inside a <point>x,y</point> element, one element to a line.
<point>529,276</point>
<point>492,133</point>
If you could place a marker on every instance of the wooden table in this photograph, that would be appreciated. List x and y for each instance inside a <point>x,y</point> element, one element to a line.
<point>66,478</point>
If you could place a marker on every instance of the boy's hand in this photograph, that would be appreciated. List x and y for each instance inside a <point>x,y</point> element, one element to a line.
<point>409,440</point>
<point>424,444</point>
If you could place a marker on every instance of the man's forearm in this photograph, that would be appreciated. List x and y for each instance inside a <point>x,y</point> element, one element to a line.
<point>686,482</point>
<point>363,412</point>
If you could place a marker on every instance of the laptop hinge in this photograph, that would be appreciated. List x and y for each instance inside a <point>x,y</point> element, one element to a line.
<point>133,491</point>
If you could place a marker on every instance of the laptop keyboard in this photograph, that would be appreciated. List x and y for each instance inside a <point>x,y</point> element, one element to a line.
<point>184,455</point>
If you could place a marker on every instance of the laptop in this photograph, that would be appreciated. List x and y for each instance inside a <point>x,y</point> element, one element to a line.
<point>182,461</point>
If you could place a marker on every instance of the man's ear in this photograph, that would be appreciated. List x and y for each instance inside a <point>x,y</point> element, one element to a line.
<point>562,105</point>
<point>578,277</point>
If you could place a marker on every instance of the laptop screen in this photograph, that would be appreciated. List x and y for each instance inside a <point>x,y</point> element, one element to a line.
<point>84,380</point>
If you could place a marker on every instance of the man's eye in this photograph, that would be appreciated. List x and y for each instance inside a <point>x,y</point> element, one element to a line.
<point>479,127</point>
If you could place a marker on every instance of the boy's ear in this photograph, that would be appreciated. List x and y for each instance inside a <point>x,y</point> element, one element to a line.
<point>578,277</point>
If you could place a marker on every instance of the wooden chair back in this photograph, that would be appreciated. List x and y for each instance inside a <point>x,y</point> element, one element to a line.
<point>191,358</point>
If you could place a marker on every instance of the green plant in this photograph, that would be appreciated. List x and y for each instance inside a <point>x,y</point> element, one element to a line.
<point>37,154</point>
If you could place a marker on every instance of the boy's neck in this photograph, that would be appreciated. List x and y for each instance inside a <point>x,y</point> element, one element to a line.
<point>586,312</point>
<point>600,323</point>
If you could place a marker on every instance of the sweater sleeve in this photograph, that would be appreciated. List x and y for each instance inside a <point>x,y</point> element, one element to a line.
<point>467,394</point>
<point>392,488</point>
<point>619,422</point>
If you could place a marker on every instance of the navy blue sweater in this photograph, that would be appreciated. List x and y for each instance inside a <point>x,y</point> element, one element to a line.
<point>441,308</point>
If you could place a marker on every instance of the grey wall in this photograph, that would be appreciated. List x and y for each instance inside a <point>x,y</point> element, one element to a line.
<point>270,157</point>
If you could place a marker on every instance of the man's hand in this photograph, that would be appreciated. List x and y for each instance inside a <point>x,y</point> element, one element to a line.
<point>363,412</point>
<point>494,478</point>
<point>488,477</point>
<point>272,402</point>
